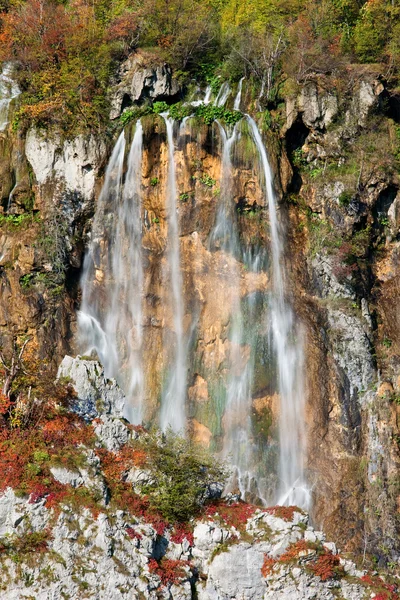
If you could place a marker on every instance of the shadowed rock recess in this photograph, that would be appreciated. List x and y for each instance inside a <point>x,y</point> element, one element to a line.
<point>210,282</point>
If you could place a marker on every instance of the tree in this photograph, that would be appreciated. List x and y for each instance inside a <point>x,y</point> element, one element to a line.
<point>181,474</point>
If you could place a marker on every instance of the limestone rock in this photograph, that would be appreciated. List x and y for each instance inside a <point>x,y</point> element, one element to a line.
<point>139,82</point>
<point>72,165</point>
<point>96,395</point>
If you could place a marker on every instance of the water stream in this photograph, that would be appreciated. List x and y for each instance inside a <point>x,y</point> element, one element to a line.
<point>238,445</point>
<point>111,315</point>
<point>173,400</point>
<point>288,343</point>
<point>110,319</point>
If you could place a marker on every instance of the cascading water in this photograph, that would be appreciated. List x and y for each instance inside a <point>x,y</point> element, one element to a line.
<point>236,104</point>
<point>110,319</point>
<point>287,338</point>
<point>173,400</point>
<point>238,444</point>
<point>222,95</point>
<point>8,91</point>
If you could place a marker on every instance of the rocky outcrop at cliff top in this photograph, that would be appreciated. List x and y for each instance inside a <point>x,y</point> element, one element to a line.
<point>113,555</point>
<point>139,82</point>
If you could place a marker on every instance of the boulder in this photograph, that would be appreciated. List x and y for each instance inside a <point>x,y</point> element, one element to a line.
<point>95,395</point>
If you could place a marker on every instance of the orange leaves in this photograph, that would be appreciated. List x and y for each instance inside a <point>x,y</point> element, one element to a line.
<point>5,404</point>
<point>320,562</point>
<point>283,512</point>
<point>267,566</point>
<point>327,566</point>
<point>235,515</point>
<point>169,571</point>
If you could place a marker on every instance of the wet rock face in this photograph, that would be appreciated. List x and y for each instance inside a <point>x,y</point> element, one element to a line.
<point>343,282</point>
<point>352,325</point>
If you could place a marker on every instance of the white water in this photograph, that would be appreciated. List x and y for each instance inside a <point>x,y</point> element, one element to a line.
<point>238,98</point>
<point>239,447</point>
<point>205,100</point>
<point>173,398</point>
<point>110,319</point>
<point>287,338</point>
<point>223,94</point>
<point>8,91</point>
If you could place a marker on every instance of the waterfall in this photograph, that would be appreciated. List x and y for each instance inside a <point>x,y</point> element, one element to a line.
<point>238,445</point>
<point>236,104</point>
<point>223,94</point>
<point>287,339</point>
<point>110,319</point>
<point>173,400</point>
<point>111,316</point>
<point>8,91</point>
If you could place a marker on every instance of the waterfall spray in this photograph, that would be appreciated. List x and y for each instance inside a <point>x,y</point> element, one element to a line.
<point>110,319</point>
<point>238,445</point>
<point>173,400</point>
<point>287,340</point>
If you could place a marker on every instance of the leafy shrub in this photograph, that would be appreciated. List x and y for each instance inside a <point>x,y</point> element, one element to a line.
<point>160,107</point>
<point>209,113</point>
<point>168,570</point>
<point>181,473</point>
<point>180,110</point>
<point>327,566</point>
<point>233,515</point>
<point>345,198</point>
<point>134,113</point>
<point>283,512</point>
<point>207,180</point>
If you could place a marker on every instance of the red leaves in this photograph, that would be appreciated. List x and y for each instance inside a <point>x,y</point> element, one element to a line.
<point>134,535</point>
<point>267,566</point>
<point>383,590</point>
<point>327,566</point>
<point>283,512</point>
<point>5,404</point>
<point>234,515</point>
<point>324,564</point>
<point>169,571</point>
<point>181,533</point>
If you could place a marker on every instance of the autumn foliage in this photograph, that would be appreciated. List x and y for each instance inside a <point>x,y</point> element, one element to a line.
<point>233,515</point>
<point>320,562</point>
<point>169,571</point>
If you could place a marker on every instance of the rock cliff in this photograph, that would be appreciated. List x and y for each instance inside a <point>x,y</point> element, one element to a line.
<point>51,550</point>
<point>334,156</point>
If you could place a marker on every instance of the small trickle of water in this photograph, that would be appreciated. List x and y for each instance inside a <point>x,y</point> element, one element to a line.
<point>110,319</point>
<point>8,91</point>
<point>205,100</point>
<point>238,98</point>
<point>288,344</point>
<point>223,94</point>
<point>173,397</point>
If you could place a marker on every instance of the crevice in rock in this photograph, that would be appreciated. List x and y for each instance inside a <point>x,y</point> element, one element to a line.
<point>295,138</point>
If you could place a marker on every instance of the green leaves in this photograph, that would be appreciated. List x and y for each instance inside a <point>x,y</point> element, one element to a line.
<point>181,472</point>
<point>210,113</point>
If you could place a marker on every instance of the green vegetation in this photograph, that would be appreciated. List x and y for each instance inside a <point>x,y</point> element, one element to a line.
<point>16,221</point>
<point>207,181</point>
<point>180,472</point>
<point>66,51</point>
